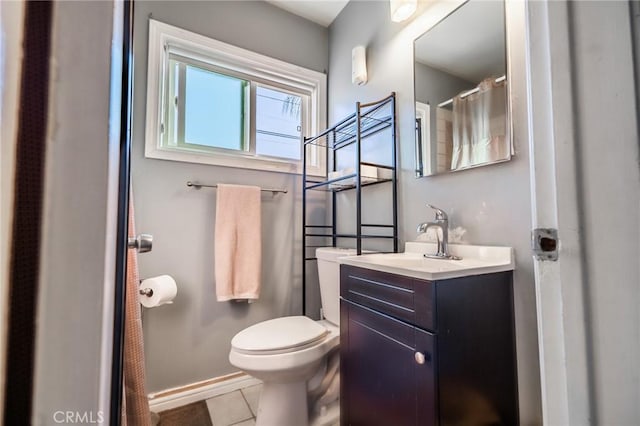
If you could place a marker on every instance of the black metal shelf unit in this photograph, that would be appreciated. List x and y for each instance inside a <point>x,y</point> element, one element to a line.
<point>368,120</point>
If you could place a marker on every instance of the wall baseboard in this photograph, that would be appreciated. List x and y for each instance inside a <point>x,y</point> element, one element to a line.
<point>199,391</point>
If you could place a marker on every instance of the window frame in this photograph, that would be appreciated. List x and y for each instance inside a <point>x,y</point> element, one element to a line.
<point>165,39</point>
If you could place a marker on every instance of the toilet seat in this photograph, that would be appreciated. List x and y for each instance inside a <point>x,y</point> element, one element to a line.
<point>278,336</point>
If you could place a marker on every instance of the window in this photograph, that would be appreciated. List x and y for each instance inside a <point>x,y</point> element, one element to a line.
<point>213,103</point>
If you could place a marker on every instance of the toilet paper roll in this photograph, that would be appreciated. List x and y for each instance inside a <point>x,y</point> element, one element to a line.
<point>160,290</point>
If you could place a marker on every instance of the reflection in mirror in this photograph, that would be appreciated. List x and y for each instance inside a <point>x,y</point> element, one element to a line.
<point>462,113</point>
<point>423,136</point>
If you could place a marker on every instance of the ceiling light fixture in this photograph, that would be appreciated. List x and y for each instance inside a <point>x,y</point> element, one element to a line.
<point>402,9</point>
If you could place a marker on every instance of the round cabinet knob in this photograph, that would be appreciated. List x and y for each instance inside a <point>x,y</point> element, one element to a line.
<point>419,356</point>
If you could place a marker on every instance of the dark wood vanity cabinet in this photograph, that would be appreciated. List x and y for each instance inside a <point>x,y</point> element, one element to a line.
<point>417,352</point>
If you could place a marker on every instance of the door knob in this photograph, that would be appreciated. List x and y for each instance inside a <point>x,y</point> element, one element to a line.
<point>420,358</point>
<point>143,243</point>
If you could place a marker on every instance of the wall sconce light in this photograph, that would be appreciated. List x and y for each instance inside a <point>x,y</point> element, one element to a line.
<point>402,9</point>
<point>359,65</point>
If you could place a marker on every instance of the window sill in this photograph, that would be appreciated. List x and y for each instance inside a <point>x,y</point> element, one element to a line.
<point>231,160</point>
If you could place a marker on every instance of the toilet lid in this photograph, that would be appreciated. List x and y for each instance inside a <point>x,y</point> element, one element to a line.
<point>279,334</point>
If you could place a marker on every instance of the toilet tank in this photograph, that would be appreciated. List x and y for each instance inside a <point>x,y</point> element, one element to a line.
<point>329,277</point>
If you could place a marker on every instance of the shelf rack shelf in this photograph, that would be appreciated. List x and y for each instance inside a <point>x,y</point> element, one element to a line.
<point>368,120</point>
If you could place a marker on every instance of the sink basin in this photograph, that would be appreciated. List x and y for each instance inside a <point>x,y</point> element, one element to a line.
<point>476,260</point>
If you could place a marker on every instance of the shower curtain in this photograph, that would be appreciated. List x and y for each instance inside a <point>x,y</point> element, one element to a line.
<point>480,126</point>
<point>135,405</point>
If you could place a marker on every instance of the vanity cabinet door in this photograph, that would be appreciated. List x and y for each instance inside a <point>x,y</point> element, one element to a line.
<point>425,378</point>
<point>384,382</point>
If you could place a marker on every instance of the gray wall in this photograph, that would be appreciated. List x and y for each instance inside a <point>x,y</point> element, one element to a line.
<point>189,340</point>
<point>492,203</point>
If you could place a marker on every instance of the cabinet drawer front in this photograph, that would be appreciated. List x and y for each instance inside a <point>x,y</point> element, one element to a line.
<point>405,298</point>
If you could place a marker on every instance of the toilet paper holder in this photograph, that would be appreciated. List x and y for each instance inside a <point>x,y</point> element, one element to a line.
<point>146,291</point>
<point>150,292</point>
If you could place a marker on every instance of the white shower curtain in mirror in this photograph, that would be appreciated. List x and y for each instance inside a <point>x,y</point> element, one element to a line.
<point>480,126</point>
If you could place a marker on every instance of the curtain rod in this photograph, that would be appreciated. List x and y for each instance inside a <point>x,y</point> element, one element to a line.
<point>197,185</point>
<point>470,92</point>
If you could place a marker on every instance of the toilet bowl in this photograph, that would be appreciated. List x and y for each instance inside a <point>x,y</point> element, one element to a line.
<point>284,364</point>
<point>286,353</point>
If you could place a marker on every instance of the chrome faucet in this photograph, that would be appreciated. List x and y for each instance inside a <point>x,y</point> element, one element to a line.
<point>442,222</point>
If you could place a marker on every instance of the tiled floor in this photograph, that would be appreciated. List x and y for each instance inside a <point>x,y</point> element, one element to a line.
<point>233,408</point>
<point>193,414</point>
<point>237,408</point>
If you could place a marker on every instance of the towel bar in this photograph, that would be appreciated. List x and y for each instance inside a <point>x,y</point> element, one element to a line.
<point>197,185</point>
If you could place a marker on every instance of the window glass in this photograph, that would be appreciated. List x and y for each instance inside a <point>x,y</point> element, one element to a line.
<point>214,109</point>
<point>278,123</point>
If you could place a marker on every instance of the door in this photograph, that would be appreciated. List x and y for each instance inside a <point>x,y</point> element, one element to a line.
<point>60,360</point>
<point>11,33</point>
<point>587,189</point>
<point>387,370</point>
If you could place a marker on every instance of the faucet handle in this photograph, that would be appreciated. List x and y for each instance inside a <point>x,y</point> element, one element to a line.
<point>440,214</point>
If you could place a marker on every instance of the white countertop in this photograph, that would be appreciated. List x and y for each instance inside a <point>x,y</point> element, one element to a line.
<point>476,260</point>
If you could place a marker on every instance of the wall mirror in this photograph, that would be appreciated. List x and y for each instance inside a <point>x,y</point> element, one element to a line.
<point>460,88</point>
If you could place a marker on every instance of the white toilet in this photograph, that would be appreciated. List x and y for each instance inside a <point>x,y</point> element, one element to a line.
<point>287,353</point>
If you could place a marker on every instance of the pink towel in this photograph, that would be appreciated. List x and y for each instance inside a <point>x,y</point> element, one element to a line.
<point>135,404</point>
<point>238,242</point>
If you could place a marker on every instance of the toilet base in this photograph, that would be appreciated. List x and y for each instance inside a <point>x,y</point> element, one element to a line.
<point>283,404</point>
<point>328,416</point>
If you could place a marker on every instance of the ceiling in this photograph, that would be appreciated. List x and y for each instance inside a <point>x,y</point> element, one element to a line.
<point>469,43</point>
<point>322,12</point>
